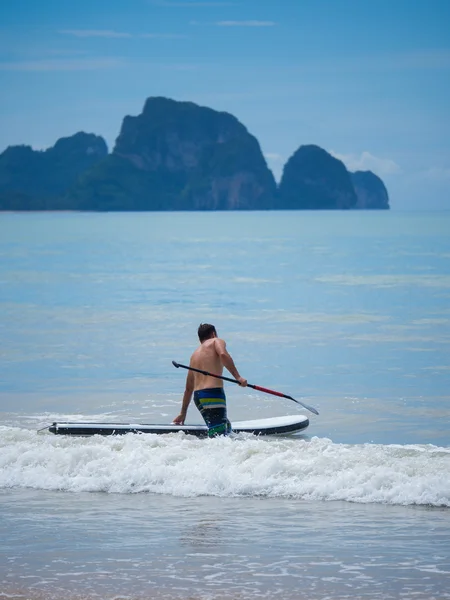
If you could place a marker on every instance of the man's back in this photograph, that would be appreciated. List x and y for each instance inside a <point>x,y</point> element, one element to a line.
<point>206,358</point>
<point>210,356</point>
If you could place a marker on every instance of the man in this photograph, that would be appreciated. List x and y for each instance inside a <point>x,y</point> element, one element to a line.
<point>209,395</point>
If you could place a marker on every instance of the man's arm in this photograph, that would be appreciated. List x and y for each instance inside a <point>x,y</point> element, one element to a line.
<point>186,399</point>
<point>227,361</point>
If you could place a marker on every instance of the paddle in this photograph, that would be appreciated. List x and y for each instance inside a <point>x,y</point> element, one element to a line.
<point>255,387</point>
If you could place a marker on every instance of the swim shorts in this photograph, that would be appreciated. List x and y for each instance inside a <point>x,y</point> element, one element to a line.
<point>212,404</point>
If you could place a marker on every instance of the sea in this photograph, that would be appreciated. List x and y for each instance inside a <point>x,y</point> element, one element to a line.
<point>348,312</point>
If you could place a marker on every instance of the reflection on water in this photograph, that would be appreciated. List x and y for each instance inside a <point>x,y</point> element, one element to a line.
<point>204,534</point>
<point>97,545</point>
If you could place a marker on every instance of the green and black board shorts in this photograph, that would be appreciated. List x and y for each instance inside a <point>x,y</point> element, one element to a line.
<point>212,404</point>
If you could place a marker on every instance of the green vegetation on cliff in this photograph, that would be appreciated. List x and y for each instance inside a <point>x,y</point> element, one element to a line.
<point>38,180</point>
<point>313,179</point>
<point>178,156</point>
<point>370,191</point>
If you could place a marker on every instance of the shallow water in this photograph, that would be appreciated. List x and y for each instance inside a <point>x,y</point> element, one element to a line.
<point>153,546</point>
<point>348,312</point>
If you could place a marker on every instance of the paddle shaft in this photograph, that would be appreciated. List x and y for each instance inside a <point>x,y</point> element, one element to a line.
<point>250,385</point>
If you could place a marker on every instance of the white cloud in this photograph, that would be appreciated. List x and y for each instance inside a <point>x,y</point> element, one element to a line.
<point>246,23</point>
<point>274,157</point>
<point>90,64</point>
<point>422,59</point>
<point>368,162</point>
<point>105,33</point>
<point>162,36</point>
<point>437,173</point>
<point>190,4</point>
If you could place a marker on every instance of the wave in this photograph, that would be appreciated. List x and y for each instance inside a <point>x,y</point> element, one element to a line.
<point>180,465</point>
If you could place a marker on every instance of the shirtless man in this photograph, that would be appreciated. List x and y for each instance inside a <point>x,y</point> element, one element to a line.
<point>209,395</point>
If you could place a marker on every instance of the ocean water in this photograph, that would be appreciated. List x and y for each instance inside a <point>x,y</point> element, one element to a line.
<point>348,312</point>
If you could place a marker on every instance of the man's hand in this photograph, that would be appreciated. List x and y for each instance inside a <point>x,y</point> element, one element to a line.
<point>179,420</point>
<point>242,382</point>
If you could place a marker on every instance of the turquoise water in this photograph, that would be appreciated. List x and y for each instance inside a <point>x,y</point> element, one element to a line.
<point>348,312</point>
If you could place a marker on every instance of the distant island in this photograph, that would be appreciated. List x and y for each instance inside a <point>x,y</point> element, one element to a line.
<point>179,156</point>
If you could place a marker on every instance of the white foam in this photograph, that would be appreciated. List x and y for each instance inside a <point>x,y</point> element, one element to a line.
<point>181,465</point>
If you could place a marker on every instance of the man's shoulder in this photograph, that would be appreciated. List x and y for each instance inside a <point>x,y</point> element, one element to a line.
<point>214,342</point>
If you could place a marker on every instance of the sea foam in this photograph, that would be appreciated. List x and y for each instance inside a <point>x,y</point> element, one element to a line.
<point>181,465</point>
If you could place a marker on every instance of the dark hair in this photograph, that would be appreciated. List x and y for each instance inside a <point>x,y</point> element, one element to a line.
<point>205,331</point>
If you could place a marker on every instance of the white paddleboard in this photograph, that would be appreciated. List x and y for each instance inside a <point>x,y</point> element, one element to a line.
<point>271,426</point>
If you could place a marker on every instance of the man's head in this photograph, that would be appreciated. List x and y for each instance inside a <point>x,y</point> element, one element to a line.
<point>206,331</point>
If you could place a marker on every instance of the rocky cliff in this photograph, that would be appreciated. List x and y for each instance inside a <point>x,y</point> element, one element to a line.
<point>313,179</point>
<point>370,191</point>
<point>33,179</point>
<point>179,156</point>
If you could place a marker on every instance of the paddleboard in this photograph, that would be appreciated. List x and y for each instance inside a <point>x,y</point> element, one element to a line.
<point>272,426</point>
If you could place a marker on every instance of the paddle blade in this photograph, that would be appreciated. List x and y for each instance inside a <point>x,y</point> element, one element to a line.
<point>175,364</point>
<point>310,408</point>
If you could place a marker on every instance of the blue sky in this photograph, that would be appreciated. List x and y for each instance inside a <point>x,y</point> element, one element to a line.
<point>369,81</point>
